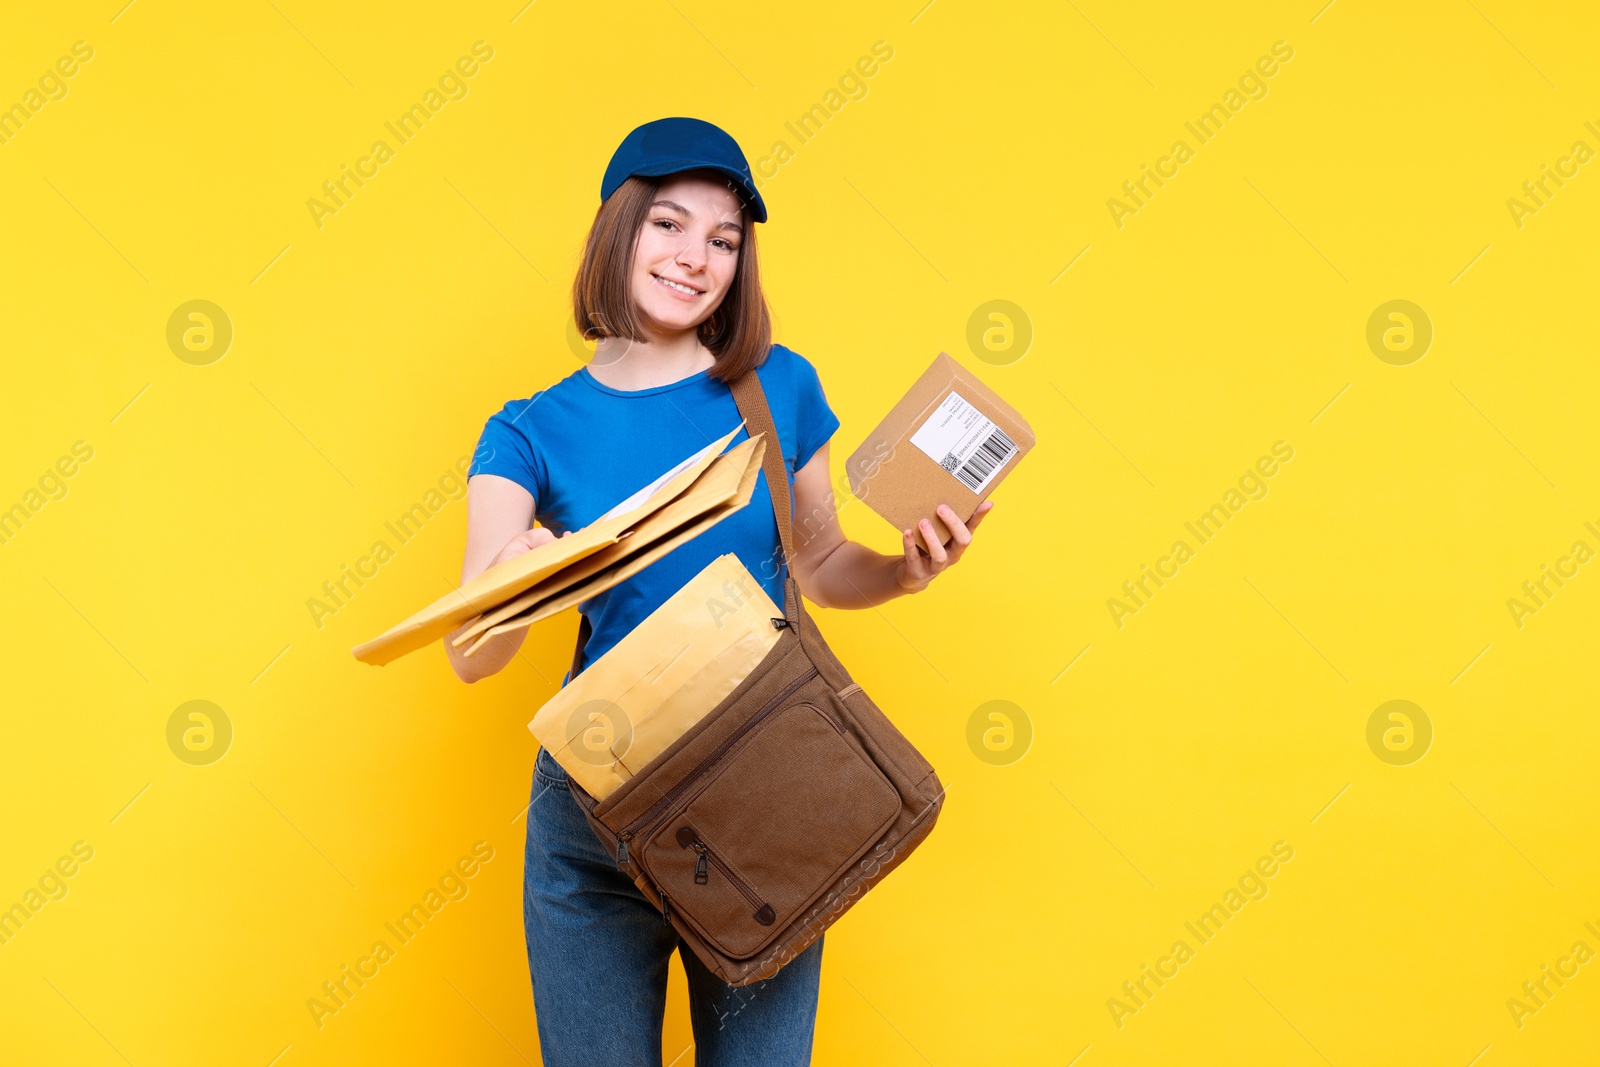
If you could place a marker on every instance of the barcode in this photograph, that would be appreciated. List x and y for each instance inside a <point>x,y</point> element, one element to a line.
<point>995,450</point>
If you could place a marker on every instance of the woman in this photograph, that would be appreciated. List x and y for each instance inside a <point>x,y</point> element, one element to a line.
<point>670,287</point>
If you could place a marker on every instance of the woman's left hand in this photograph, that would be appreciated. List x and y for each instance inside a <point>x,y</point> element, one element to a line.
<point>918,568</point>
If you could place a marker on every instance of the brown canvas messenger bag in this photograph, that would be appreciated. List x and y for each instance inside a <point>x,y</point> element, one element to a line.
<point>761,825</point>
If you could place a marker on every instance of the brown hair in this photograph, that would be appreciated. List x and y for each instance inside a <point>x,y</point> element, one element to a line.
<point>738,333</point>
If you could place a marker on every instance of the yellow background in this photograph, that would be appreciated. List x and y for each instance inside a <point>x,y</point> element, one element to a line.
<point>1229,313</point>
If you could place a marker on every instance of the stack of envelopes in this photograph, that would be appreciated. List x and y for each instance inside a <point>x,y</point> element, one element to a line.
<point>683,503</point>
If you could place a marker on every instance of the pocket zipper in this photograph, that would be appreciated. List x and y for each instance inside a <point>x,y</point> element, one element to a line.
<point>655,809</point>
<point>687,838</point>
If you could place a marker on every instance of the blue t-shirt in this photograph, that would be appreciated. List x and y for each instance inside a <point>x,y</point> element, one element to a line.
<point>581,447</point>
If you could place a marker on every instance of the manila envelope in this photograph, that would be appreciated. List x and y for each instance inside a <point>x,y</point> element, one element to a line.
<point>950,440</point>
<point>667,674</point>
<point>728,483</point>
<point>505,580</point>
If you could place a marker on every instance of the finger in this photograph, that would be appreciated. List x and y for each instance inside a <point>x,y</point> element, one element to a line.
<point>916,565</point>
<point>935,549</point>
<point>978,515</point>
<point>957,527</point>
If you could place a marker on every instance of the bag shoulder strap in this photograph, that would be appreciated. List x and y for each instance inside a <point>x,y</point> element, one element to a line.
<point>751,400</point>
<point>584,630</point>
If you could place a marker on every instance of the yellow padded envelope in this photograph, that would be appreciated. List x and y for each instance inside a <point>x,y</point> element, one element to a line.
<point>664,676</point>
<point>730,483</point>
<point>562,561</point>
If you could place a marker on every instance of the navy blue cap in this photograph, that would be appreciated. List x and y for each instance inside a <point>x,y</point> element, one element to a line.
<point>667,146</point>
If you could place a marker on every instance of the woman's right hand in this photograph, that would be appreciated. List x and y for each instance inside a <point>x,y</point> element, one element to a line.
<point>526,541</point>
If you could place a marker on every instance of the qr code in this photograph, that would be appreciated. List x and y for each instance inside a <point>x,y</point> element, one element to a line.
<point>950,462</point>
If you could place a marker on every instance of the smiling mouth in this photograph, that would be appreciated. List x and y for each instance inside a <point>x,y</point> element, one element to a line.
<point>687,292</point>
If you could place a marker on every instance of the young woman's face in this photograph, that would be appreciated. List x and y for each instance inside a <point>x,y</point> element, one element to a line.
<point>691,237</point>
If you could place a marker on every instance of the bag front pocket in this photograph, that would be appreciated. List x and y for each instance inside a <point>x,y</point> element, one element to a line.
<point>688,837</point>
<point>789,809</point>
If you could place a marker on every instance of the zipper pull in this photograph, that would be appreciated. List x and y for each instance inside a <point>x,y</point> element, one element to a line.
<point>701,871</point>
<point>622,848</point>
<point>665,919</point>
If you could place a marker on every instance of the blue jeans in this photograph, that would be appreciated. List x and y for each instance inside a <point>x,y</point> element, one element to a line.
<point>598,953</point>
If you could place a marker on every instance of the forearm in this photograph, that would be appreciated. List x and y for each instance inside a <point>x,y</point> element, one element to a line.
<point>854,576</point>
<point>495,653</point>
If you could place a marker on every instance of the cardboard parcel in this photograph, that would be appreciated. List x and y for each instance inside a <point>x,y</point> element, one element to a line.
<point>681,504</point>
<point>660,679</point>
<point>950,440</point>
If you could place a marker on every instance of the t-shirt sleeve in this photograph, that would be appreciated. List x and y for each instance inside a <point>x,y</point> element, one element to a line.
<point>506,447</point>
<point>815,420</point>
